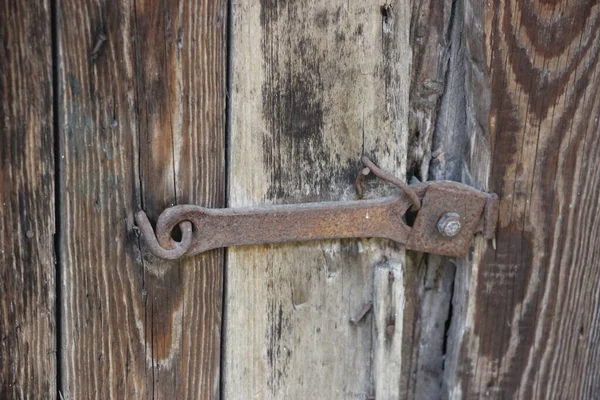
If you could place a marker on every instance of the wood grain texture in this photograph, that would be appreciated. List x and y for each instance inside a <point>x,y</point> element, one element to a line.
<point>142,126</point>
<point>27,277</point>
<point>527,312</point>
<point>314,85</point>
<point>431,47</point>
<point>432,80</point>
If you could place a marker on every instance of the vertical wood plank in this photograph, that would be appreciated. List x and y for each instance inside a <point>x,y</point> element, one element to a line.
<point>527,311</point>
<point>142,126</point>
<point>27,275</point>
<point>389,303</point>
<point>432,25</point>
<point>314,85</point>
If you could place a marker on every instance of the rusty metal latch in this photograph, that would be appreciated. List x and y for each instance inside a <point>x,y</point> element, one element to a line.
<point>448,215</point>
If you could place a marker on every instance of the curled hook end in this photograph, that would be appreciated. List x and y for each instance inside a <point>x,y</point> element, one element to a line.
<point>149,236</point>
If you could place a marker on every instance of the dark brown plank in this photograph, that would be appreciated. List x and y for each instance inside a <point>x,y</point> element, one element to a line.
<point>142,119</point>
<point>526,322</point>
<point>27,277</point>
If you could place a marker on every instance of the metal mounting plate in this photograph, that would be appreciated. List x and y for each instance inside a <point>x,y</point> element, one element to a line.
<point>439,199</point>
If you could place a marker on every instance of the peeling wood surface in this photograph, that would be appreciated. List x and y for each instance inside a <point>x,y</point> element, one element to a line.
<point>431,45</point>
<point>142,126</point>
<point>27,282</point>
<point>526,322</point>
<point>314,85</point>
<point>431,289</point>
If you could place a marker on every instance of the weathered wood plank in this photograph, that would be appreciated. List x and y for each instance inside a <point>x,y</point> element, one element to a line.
<point>142,120</point>
<point>430,42</point>
<point>27,274</point>
<point>526,322</point>
<point>431,288</point>
<point>314,85</point>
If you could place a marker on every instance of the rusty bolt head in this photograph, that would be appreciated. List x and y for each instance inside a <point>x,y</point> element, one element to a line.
<point>449,224</point>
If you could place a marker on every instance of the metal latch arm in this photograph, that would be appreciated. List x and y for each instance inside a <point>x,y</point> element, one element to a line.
<point>448,215</point>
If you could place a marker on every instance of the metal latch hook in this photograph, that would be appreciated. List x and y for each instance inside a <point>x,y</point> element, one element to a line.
<point>448,215</point>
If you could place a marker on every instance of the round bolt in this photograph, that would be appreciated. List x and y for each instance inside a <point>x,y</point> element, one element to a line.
<point>449,224</point>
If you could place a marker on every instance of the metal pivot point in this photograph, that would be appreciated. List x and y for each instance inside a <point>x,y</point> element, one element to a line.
<point>449,225</point>
<point>448,214</point>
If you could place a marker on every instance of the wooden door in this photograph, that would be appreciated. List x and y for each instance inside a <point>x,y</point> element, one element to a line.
<point>107,108</point>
